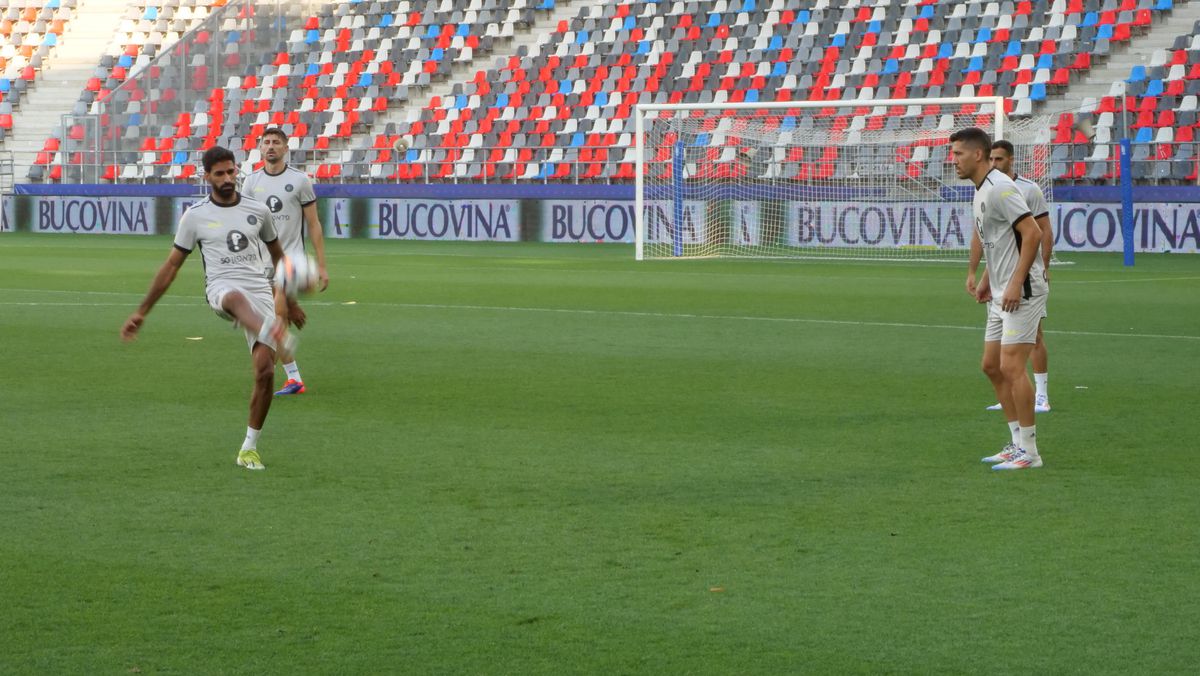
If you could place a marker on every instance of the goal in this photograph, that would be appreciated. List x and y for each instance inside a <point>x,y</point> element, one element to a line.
<point>863,179</point>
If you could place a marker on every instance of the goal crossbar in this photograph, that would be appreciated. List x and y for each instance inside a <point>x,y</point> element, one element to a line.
<point>679,113</point>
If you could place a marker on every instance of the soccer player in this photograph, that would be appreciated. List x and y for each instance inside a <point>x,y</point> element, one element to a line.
<point>1013,285</point>
<point>1002,159</point>
<point>289,194</point>
<point>231,232</point>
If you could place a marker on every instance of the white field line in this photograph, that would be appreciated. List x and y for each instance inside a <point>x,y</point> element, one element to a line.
<point>627,313</point>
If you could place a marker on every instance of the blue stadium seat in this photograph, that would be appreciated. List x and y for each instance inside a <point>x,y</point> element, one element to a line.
<point>1137,74</point>
<point>1153,88</point>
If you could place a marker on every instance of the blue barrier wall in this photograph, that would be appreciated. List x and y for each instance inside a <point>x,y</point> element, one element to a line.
<point>1084,218</point>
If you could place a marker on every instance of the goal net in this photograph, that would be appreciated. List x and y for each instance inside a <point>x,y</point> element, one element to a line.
<point>830,179</point>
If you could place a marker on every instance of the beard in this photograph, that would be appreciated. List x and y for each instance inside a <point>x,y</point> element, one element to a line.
<point>225,190</point>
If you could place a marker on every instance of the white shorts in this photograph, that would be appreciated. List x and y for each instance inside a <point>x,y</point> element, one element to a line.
<point>1012,328</point>
<point>263,303</point>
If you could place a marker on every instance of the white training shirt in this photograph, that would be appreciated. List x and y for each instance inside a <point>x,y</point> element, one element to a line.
<point>998,207</point>
<point>285,194</point>
<point>231,240</point>
<point>1035,199</point>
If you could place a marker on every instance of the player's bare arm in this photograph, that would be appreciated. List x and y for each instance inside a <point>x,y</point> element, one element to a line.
<point>1031,238</point>
<point>162,281</point>
<point>983,289</point>
<point>976,255</point>
<point>275,250</point>
<point>316,235</point>
<point>1047,243</point>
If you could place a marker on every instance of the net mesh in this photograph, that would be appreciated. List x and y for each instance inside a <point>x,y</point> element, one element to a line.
<point>855,181</point>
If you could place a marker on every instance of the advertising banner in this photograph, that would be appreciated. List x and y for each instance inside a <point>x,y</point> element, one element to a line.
<point>94,215</point>
<point>1078,226</point>
<point>334,213</point>
<point>445,220</point>
<point>588,221</point>
<point>1170,227</point>
<point>882,225</point>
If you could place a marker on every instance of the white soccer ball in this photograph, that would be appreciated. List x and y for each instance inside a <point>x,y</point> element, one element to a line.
<point>296,275</point>
<point>403,143</point>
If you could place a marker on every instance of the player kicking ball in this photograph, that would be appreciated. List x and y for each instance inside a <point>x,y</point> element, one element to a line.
<point>289,194</point>
<point>231,232</point>
<point>1013,285</point>
<point>1002,159</point>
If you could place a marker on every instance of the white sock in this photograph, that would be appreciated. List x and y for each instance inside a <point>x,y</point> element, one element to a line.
<point>293,371</point>
<point>1039,380</point>
<point>1029,439</point>
<point>251,442</point>
<point>1014,428</point>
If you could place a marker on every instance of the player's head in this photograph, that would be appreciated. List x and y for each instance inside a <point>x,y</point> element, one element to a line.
<point>220,170</point>
<point>1002,156</point>
<point>273,145</point>
<point>970,149</point>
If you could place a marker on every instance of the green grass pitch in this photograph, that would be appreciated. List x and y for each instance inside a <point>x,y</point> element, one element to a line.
<point>552,459</point>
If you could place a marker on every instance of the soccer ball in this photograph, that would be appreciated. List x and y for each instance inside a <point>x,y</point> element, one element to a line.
<point>296,275</point>
<point>403,143</point>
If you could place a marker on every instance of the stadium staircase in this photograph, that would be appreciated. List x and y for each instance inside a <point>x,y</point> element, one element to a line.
<point>69,65</point>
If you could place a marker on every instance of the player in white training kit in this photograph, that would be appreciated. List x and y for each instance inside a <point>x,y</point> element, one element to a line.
<point>1013,285</point>
<point>289,194</point>
<point>232,233</point>
<point>1002,159</point>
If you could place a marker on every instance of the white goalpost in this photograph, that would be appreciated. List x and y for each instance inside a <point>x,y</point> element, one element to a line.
<point>861,179</point>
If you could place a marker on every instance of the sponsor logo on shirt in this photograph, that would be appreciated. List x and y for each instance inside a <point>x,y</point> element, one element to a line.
<point>237,241</point>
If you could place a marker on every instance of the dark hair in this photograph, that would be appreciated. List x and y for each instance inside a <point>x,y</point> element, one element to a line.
<point>276,131</point>
<point>216,155</point>
<point>973,136</point>
<point>1005,146</point>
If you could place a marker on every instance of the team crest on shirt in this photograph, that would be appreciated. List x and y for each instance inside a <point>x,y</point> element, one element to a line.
<point>252,219</point>
<point>274,204</point>
<point>288,187</point>
<point>237,241</point>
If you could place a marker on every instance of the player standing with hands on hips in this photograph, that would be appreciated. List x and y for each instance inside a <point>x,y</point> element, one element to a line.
<point>1013,285</point>
<point>289,194</point>
<point>231,232</point>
